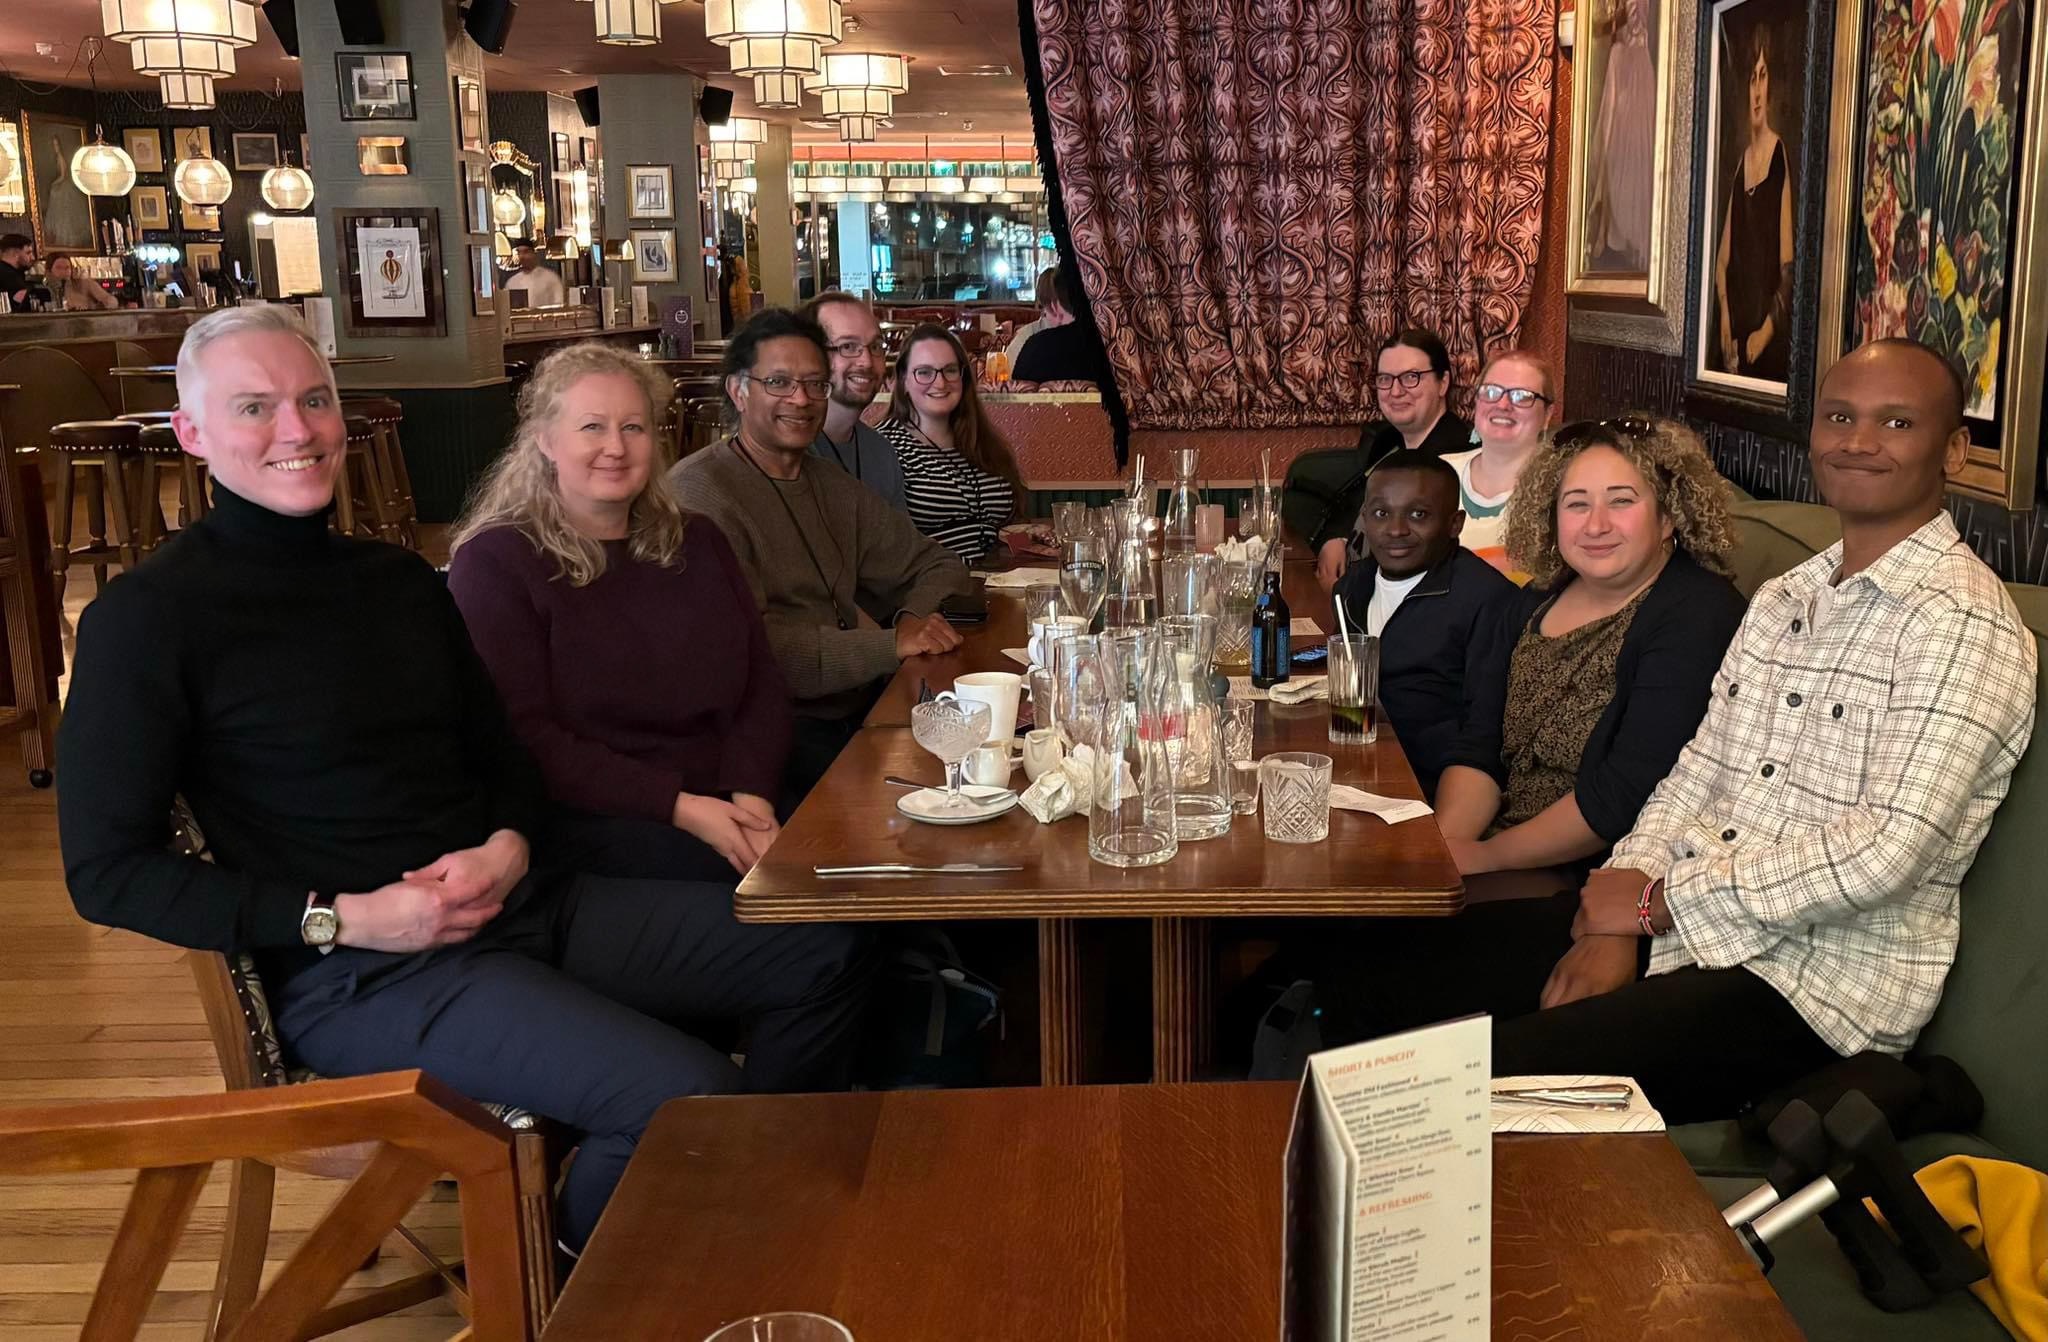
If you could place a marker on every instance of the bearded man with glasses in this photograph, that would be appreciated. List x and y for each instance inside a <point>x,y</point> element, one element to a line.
<point>848,588</point>
<point>859,361</point>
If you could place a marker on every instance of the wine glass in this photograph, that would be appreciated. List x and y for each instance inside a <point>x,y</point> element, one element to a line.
<point>1084,575</point>
<point>950,727</point>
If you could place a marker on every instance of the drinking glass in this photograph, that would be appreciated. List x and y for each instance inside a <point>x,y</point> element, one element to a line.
<point>1041,602</point>
<point>1069,521</point>
<point>1294,788</point>
<point>1354,683</point>
<point>1193,727</point>
<point>1240,722</point>
<point>950,728</point>
<point>784,1326</point>
<point>1084,575</point>
<point>1187,585</point>
<point>1237,588</point>
<point>1077,691</point>
<point>1133,595</point>
<point>1208,527</point>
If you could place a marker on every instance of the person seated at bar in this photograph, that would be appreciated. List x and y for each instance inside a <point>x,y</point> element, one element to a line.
<point>960,479</point>
<point>1050,313</point>
<point>1510,411</point>
<point>541,283</point>
<point>73,292</point>
<point>1066,350</point>
<point>315,700</point>
<point>1429,601</point>
<point>1790,893</point>
<point>847,587</point>
<point>584,584</point>
<point>17,254</point>
<point>1413,387</point>
<point>853,341</point>
<point>1596,674</point>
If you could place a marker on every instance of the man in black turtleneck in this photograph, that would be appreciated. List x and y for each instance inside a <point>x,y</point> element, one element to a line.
<point>316,702</point>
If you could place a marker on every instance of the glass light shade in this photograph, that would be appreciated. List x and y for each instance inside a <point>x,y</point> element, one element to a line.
<point>905,186</point>
<point>726,21</point>
<point>986,186</point>
<point>946,186</point>
<point>508,211</point>
<point>837,103</point>
<point>778,90</point>
<point>865,186</point>
<point>287,188</point>
<point>1007,198</point>
<point>862,70</point>
<point>187,92</point>
<point>1025,186</point>
<point>203,181</point>
<point>101,169</point>
<point>627,23</point>
<point>971,198</point>
<point>740,130</point>
<point>774,55</point>
<point>857,129</point>
<point>746,186</point>
<point>229,21</point>
<point>191,55</point>
<point>729,169</point>
<point>731,153</point>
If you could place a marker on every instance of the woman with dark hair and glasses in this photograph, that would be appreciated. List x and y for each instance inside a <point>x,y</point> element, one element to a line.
<point>1510,411</point>
<point>1598,673</point>
<point>960,480</point>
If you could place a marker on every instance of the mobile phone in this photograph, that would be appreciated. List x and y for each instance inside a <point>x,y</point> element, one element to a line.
<point>1310,656</point>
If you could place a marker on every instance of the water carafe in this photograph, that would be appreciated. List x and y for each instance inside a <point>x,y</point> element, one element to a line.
<point>1131,820</point>
<point>1201,766</point>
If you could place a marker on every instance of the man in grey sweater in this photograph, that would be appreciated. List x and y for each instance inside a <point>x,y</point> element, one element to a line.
<point>848,588</point>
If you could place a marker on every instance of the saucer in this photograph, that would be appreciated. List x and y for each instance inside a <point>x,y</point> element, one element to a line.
<point>989,802</point>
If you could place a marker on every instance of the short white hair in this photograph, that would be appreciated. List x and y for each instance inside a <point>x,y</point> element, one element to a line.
<point>253,318</point>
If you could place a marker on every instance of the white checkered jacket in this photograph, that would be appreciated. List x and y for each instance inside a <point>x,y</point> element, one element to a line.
<point>1817,829</point>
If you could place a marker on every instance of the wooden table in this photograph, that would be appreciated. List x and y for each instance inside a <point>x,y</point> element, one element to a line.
<point>1365,869</point>
<point>1104,1214</point>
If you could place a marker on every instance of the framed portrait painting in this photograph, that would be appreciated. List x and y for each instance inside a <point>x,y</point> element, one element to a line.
<point>1759,164</point>
<point>145,146</point>
<point>654,255</point>
<point>1938,230</point>
<point>150,207</point>
<point>60,214</point>
<point>1622,76</point>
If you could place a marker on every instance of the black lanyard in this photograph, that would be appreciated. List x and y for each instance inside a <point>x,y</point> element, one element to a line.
<point>830,585</point>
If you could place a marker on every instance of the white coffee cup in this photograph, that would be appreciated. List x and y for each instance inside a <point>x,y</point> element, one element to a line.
<point>1043,632</point>
<point>1000,690</point>
<point>989,766</point>
<point>1041,752</point>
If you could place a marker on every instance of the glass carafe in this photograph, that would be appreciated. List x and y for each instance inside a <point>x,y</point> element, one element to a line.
<point>1180,528</point>
<point>1201,765</point>
<point>1131,816</point>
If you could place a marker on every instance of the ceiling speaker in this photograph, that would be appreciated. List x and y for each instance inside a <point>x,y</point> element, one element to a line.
<point>586,103</point>
<point>489,23</point>
<point>361,24</point>
<point>716,105</point>
<point>284,21</point>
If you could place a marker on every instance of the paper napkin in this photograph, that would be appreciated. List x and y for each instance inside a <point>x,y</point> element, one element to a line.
<point>1520,1117</point>
<point>1393,810</point>
<point>1296,690</point>
<point>1021,656</point>
<point>1305,627</point>
<point>1020,578</point>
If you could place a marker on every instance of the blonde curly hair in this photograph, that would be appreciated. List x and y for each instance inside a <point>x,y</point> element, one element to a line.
<point>520,489</point>
<point>1671,459</point>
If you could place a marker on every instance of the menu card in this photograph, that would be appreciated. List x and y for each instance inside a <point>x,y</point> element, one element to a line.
<point>1389,1191</point>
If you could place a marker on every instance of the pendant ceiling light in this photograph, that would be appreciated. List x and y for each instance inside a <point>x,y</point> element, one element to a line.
<point>100,169</point>
<point>778,91</point>
<point>188,93</point>
<point>777,42</point>
<point>287,188</point>
<point>181,55</point>
<point>507,210</point>
<point>203,181</point>
<point>858,129</point>
<point>858,88</point>
<point>734,141</point>
<point>229,21</point>
<point>628,23</point>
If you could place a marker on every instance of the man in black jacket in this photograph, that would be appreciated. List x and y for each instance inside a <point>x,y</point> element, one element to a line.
<point>316,702</point>
<point>1426,598</point>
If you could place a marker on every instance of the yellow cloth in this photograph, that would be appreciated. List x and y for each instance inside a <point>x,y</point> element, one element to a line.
<point>2004,1206</point>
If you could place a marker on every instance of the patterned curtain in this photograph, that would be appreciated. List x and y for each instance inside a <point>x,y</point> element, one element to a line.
<point>1259,192</point>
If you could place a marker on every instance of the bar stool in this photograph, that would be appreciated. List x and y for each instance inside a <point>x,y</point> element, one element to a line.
<point>362,485</point>
<point>162,451</point>
<point>102,453</point>
<point>385,414</point>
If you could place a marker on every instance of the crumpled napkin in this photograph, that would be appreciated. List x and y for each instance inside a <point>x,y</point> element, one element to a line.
<point>1237,551</point>
<point>1393,810</point>
<point>1294,690</point>
<point>1018,577</point>
<point>1067,790</point>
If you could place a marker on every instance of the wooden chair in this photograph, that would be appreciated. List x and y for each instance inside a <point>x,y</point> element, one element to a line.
<point>411,1128</point>
<point>30,707</point>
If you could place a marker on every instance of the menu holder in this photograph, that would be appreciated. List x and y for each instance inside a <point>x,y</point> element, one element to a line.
<point>1389,1191</point>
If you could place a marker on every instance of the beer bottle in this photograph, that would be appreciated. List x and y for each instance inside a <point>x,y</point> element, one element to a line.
<point>1271,628</point>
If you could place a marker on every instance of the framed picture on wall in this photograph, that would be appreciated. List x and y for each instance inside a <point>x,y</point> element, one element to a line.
<point>469,111</point>
<point>483,281</point>
<point>391,271</point>
<point>255,152</point>
<point>558,152</point>
<point>306,152</point>
<point>1760,154</point>
<point>191,142</point>
<point>1937,214</point>
<point>145,146</point>
<point>201,257</point>
<point>476,197</point>
<point>586,151</point>
<point>564,190</point>
<point>13,184</point>
<point>654,255</point>
<point>650,191</point>
<point>59,213</point>
<point>375,85</point>
<point>198,218</point>
<point>382,156</point>
<point>150,207</point>
<point>1621,76</point>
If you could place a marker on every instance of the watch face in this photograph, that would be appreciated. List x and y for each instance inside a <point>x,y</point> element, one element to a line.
<point>319,926</point>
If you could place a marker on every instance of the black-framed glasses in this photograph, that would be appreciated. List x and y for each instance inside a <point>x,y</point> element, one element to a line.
<point>1409,380</point>
<point>924,377</point>
<point>1633,427</point>
<point>782,388</point>
<point>1521,398</point>
<point>853,349</point>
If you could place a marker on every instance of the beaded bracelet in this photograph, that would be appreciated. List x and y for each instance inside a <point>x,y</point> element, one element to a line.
<point>1643,919</point>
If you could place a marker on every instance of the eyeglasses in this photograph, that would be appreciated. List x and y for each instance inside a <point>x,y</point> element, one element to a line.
<point>1519,397</point>
<point>1409,381</point>
<point>853,349</point>
<point>1633,427</point>
<point>924,377</point>
<point>782,388</point>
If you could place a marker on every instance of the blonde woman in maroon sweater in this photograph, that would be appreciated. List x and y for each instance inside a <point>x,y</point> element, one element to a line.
<point>621,633</point>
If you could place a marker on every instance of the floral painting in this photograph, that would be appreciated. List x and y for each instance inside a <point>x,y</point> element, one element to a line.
<point>1941,135</point>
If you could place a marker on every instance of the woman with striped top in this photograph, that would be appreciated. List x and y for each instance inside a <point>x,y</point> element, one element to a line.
<point>960,480</point>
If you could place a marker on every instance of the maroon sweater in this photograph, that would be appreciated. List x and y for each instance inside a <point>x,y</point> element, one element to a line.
<point>648,682</point>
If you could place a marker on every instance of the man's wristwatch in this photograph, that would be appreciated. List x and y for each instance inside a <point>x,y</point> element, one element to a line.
<point>319,925</point>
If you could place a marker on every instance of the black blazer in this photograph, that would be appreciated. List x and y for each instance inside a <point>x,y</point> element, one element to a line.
<point>1662,679</point>
<point>1432,650</point>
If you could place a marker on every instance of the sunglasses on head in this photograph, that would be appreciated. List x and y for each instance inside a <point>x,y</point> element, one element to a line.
<point>1633,427</point>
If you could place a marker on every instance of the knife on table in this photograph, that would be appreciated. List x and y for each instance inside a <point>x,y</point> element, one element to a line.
<point>908,869</point>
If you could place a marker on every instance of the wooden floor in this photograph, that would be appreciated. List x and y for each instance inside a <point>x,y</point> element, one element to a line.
<point>87,1013</point>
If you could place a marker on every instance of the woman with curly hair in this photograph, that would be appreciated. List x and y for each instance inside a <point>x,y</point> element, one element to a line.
<point>1599,671</point>
<point>593,599</point>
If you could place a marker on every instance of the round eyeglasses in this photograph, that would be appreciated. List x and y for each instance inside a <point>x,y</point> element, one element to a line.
<point>924,377</point>
<point>1521,398</point>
